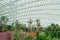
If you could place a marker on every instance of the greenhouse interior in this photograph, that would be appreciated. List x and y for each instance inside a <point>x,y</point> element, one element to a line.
<point>29,19</point>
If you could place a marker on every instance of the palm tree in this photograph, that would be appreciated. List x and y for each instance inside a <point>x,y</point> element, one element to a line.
<point>38,24</point>
<point>29,24</point>
<point>4,20</point>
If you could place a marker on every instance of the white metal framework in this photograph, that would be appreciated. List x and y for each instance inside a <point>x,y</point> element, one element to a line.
<point>48,11</point>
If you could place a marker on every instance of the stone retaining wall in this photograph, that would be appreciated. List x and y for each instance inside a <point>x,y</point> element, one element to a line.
<point>6,36</point>
<point>10,35</point>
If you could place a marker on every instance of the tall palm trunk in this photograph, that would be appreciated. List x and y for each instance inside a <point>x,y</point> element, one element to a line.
<point>30,26</point>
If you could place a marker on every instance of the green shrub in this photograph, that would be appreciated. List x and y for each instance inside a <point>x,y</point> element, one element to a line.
<point>55,38</point>
<point>49,37</point>
<point>28,38</point>
<point>42,36</point>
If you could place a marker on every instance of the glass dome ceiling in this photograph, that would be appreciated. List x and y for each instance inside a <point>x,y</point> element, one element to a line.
<point>48,11</point>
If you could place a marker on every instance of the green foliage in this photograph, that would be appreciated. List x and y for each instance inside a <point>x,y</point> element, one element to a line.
<point>55,38</point>
<point>58,34</point>
<point>0,27</point>
<point>30,21</point>
<point>52,32</point>
<point>49,37</point>
<point>4,18</point>
<point>16,36</point>
<point>42,36</point>
<point>37,35</point>
<point>28,37</point>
